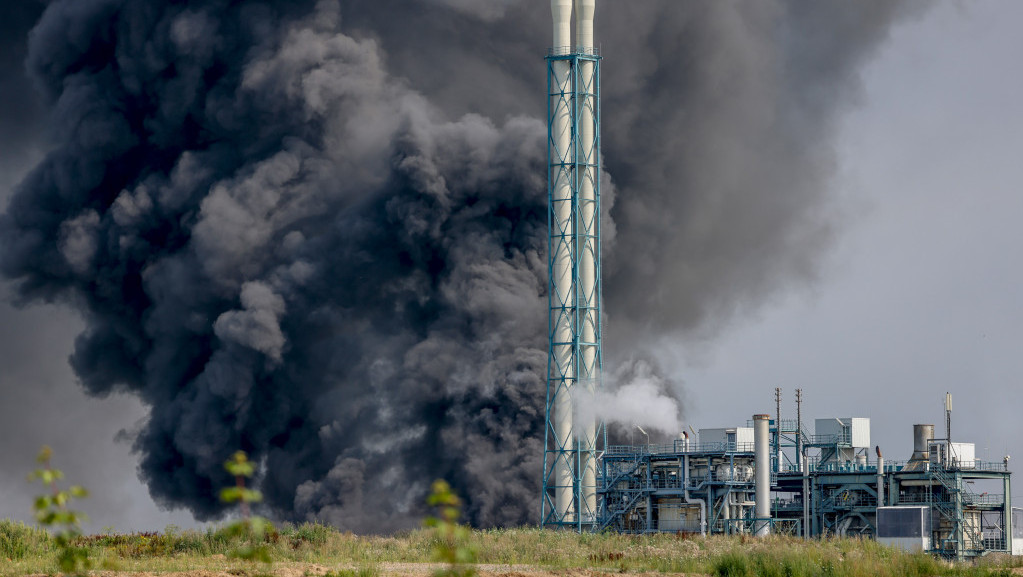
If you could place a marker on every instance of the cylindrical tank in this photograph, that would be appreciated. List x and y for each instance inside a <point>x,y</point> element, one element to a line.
<point>723,473</point>
<point>744,473</point>
<point>921,435</point>
<point>762,483</point>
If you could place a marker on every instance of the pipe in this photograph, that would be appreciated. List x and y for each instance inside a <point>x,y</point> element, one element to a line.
<point>685,495</point>
<point>804,468</point>
<point>880,477</point>
<point>761,442</point>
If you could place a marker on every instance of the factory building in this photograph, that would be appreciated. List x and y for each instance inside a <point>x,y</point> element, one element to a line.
<point>814,483</point>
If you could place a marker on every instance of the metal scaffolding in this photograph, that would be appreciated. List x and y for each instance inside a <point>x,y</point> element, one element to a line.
<point>574,438</point>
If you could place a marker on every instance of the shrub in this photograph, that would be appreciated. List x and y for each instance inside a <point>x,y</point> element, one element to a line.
<point>732,564</point>
<point>450,537</point>
<point>255,530</point>
<point>17,539</point>
<point>52,511</point>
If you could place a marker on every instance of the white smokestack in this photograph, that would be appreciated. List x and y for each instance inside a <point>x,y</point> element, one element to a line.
<point>584,10</point>
<point>588,217</point>
<point>562,12</point>
<point>561,257</point>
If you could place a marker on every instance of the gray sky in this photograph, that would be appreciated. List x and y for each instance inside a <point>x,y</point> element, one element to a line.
<point>923,294</point>
<point>920,295</point>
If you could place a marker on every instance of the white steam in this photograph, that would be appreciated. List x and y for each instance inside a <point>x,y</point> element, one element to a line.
<point>634,395</point>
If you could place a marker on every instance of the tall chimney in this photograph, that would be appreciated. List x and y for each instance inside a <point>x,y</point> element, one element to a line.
<point>584,10</point>
<point>572,444</point>
<point>762,481</point>
<point>561,10</point>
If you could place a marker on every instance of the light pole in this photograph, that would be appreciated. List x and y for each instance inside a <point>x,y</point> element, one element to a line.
<point>644,432</point>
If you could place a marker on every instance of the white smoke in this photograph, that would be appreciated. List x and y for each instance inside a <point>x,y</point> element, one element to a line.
<point>634,395</point>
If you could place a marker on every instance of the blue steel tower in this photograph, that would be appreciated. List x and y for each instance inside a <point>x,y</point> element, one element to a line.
<point>573,437</point>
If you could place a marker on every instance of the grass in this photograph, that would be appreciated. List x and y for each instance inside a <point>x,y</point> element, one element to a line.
<point>27,550</point>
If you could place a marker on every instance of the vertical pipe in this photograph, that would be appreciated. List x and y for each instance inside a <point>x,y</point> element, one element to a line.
<point>806,497</point>
<point>880,477</point>
<point>1007,512</point>
<point>799,429</point>
<point>649,498</point>
<point>777,429</point>
<point>948,418</point>
<point>587,292</point>
<point>761,434</point>
<point>685,494</point>
<point>563,293</point>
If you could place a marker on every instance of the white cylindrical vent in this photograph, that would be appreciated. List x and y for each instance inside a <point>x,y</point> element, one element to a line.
<point>561,10</point>
<point>762,483</point>
<point>584,10</point>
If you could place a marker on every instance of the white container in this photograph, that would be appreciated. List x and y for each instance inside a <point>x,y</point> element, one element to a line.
<point>856,430</point>
<point>737,438</point>
<point>963,455</point>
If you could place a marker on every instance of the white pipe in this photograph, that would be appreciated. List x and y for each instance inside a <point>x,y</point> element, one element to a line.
<point>805,469</point>
<point>880,478</point>
<point>701,502</point>
<point>761,435</point>
<point>561,269</point>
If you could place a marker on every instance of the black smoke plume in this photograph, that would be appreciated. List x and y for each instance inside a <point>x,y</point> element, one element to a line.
<point>316,231</point>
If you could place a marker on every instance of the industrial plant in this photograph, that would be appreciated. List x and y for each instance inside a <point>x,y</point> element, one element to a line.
<point>778,475</point>
<point>771,475</point>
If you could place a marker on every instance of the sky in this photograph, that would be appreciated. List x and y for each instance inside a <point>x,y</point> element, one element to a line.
<point>918,295</point>
<point>922,295</point>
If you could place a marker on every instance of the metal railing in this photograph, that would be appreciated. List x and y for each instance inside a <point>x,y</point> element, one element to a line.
<point>679,446</point>
<point>984,499</point>
<point>572,51</point>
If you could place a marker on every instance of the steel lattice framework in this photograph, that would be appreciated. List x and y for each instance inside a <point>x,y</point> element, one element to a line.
<point>574,439</point>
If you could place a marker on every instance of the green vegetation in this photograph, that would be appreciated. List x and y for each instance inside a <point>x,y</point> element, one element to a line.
<point>450,537</point>
<point>52,511</point>
<point>31,551</point>
<point>443,547</point>
<point>251,530</point>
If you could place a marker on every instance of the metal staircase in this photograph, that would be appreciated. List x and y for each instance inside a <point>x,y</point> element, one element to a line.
<point>951,510</point>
